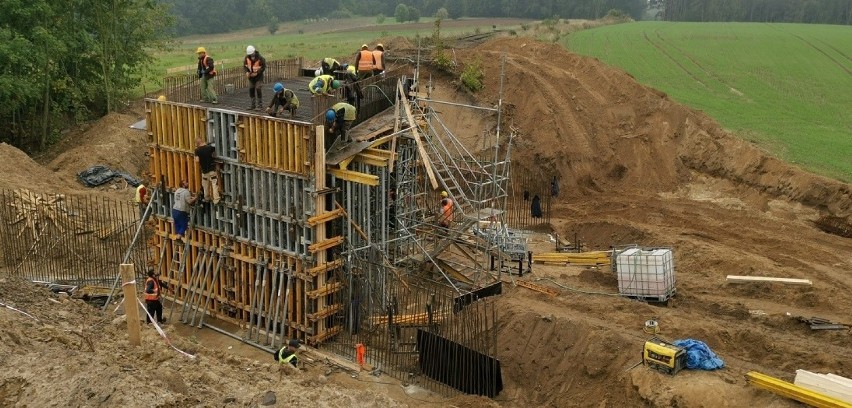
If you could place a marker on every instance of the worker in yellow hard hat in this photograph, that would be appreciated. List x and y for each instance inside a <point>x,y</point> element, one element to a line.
<point>206,72</point>
<point>364,62</point>
<point>161,98</point>
<point>379,57</point>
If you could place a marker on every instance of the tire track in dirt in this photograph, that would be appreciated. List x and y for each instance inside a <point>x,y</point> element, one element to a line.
<point>819,50</point>
<point>664,52</point>
<point>694,61</point>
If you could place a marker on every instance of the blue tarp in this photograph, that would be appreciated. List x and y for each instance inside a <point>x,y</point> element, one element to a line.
<point>98,175</point>
<point>699,356</point>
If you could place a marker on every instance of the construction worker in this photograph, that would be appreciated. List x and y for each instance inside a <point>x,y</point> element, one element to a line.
<point>445,218</point>
<point>535,207</point>
<point>323,84</point>
<point>152,298</point>
<point>205,155</point>
<point>255,65</point>
<point>287,354</point>
<point>379,58</point>
<point>339,120</point>
<point>206,72</point>
<point>352,89</point>
<point>554,187</point>
<point>329,65</point>
<point>183,199</point>
<point>141,198</point>
<point>364,62</point>
<point>283,100</point>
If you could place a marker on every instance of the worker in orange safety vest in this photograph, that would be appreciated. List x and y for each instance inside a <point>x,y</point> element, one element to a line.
<point>152,298</point>
<point>365,62</point>
<point>446,216</point>
<point>379,57</point>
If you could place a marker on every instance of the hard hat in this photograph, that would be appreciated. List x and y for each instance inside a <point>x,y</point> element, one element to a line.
<point>444,194</point>
<point>364,47</point>
<point>318,72</point>
<point>330,116</point>
<point>278,87</point>
<point>250,50</point>
<point>350,69</point>
<point>380,46</point>
<point>335,84</point>
<point>294,343</point>
<point>161,98</point>
<point>200,50</point>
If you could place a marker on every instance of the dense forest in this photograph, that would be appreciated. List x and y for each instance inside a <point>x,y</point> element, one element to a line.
<point>62,61</point>
<point>776,11</point>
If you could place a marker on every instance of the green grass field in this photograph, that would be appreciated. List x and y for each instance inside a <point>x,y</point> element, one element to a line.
<point>787,87</point>
<point>313,41</point>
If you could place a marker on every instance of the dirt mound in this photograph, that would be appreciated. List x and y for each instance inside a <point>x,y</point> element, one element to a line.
<point>108,141</point>
<point>17,170</point>
<point>397,43</point>
<point>79,356</point>
<point>614,135</point>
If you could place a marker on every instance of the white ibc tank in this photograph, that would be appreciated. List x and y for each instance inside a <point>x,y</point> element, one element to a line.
<point>647,274</point>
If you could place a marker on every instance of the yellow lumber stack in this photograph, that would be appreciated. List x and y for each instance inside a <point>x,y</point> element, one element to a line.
<point>789,390</point>
<point>582,258</point>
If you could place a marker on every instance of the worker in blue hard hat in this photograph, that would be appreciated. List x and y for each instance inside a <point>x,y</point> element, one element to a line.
<point>323,84</point>
<point>283,100</point>
<point>339,120</point>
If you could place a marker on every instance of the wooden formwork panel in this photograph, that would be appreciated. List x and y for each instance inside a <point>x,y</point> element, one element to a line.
<point>172,166</point>
<point>274,143</point>
<point>175,125</point>
<point>250,276</point>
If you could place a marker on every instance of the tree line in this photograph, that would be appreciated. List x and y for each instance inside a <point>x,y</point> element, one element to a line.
<point>214,16</point>
<point>65,61</point>
<point>776,11</point>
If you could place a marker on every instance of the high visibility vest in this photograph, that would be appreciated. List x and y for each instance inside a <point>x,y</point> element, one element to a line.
<point>377,55</point>
<point>140,194</point>
<point>349,111</point>
<point>206,65</point>
<point>156,294</point>
<point>321,84</point>
<point>447,210</point>
<point>366,62</point>
<point>252,66</point>
<point>282,359</point>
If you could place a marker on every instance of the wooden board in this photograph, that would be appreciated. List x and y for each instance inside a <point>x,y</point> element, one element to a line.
<point>787,281</point>
<point>836,386</point>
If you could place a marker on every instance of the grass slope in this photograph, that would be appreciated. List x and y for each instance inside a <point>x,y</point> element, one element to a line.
<point>787,87</point>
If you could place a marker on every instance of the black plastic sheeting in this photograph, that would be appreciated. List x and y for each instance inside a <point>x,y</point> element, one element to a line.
<point>99,175</point>
<point>492,290</point>
<point>460,367</point>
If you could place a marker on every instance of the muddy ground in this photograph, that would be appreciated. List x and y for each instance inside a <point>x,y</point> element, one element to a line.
<point>634,168</point>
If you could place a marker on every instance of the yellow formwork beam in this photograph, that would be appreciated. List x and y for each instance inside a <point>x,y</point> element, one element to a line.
<point>325,217</point>
<point>325,290</point>
<point>319,246</point>
<point>324,267</point>
<point>372,160</point>
<point>355,176</point>
<point>793,391</point>
<point>583,258</point>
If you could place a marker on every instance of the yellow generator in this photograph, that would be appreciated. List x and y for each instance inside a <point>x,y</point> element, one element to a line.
<point>663,356</point>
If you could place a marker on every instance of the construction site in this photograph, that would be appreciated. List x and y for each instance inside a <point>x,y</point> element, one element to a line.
<point>587,219</point>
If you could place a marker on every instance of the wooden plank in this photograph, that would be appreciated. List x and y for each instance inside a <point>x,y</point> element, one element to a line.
<point>131,308</point>
<point>538,288</point>
<point>424,157</point>
<point>787,281</point>
<point>320,268</point>
<point>823,384</point>
<point>325,217</point>
<point>355,176</point>
<point>326,244</point>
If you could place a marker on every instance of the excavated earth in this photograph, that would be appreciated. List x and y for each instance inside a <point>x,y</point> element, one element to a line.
<point>634,167</point>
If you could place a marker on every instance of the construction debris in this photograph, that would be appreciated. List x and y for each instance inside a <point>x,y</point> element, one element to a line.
<point>818,323</point>
<point>787,281</point>
<point>581,258</point>
<point>538,288</point>
<point>37,212</point>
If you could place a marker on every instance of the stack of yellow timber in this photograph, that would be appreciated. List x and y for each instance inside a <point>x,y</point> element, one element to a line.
<point>417,319</point>
<point>40,211</point>
<point>793,391</point>
<point>582,258</point>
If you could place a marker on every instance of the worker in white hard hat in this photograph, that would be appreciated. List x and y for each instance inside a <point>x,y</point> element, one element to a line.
<point>206,72</point>
<point>364,62</point>
<point>445,218</point>
<point>255,65</point>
